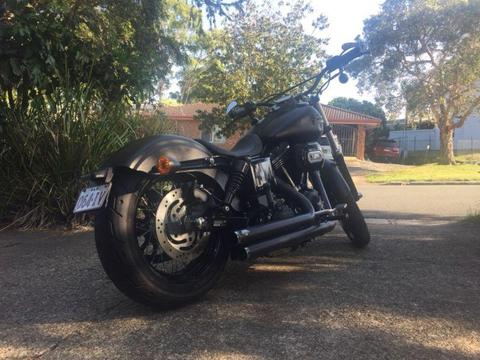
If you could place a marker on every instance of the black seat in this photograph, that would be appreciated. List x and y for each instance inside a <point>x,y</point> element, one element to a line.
<point>249,145</point>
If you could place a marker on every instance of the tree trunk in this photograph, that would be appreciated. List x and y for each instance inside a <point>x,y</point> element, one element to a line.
<point>446,145</point>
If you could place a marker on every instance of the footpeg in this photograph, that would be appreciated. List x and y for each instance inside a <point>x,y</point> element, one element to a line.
<point>337,213</point>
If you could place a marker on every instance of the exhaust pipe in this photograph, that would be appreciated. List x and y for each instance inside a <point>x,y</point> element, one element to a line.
<point>268,231</point>
<point>284,241</point>
<point>260,232</point>
<point>260,240</point>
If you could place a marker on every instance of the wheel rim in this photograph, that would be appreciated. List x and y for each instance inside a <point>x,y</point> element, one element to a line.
<point>159,252</point>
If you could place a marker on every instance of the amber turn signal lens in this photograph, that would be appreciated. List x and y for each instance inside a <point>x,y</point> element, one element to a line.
<point>164,165</point>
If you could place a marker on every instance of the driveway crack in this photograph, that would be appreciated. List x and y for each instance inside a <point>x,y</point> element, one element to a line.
<point>57,344</point>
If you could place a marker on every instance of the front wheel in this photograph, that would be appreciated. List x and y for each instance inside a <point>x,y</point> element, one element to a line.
<point>147,260</point>
<point>354,225</point>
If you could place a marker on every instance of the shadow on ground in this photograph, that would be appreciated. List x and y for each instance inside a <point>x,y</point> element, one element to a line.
<point>412,294</point>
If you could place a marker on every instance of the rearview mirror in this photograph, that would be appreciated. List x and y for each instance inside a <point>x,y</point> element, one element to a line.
<point>232,105</point>
<point>343,78</point>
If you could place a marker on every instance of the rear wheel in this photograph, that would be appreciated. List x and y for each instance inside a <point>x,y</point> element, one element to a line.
<point>354,225</point>
<point>146,258</point>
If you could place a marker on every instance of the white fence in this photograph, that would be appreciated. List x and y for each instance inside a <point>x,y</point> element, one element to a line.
<point>423,140</point>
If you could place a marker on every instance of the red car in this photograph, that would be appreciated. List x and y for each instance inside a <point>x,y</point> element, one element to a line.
<point>386,150</point>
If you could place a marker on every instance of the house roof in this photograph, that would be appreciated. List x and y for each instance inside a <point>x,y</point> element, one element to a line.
<point>185,111</point>
<point>337,115</point>
<point>334,114</point>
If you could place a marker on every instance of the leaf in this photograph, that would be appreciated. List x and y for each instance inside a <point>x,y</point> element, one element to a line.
<point>15,67</point>
<point>262,52</point>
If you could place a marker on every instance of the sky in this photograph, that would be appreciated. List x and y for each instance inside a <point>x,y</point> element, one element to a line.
<point>345,18</point>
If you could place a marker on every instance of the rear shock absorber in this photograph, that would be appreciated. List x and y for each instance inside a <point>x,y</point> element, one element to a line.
<point>235,181</point>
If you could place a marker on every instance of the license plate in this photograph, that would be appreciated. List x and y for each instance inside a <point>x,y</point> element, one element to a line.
<point>92,198</point>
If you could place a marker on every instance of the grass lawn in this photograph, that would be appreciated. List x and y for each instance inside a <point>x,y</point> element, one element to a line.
<point>429,172</point>
<point>422,157</point>
<point>468,157</point>
<point>473,217</point>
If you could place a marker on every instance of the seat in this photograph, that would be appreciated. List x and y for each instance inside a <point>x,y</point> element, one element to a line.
<point>249,145</point>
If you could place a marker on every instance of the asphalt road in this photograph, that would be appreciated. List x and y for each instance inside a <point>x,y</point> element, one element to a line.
<point>419,201</point>
<point>412,294</point>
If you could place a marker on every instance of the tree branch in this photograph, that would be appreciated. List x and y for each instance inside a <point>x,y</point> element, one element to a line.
<point>467,113</point>
<point>405,62</point>
<point>435,113</point>
<point>428,51</point>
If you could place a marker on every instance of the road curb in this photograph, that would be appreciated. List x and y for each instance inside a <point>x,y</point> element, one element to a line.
<point>428,183</point>
<point>410,222</point>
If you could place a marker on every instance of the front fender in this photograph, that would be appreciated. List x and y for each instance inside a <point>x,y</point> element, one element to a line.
<point>142,155</point>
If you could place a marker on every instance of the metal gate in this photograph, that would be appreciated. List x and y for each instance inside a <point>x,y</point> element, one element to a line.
<point>347,136</point>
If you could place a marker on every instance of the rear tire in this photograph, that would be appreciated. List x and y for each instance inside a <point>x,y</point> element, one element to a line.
<point>126,263</point>
<point>355,226</point>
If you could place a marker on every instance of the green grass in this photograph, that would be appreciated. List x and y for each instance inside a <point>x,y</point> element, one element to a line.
<point>429,172</point>
<point>473,217</point>
<point>468,157</point>
<point>430,157</point>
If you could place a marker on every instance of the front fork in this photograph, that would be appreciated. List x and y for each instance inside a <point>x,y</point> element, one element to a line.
<point>337,154</point>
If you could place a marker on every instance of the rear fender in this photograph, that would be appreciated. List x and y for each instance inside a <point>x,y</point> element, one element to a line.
<point>142,155</point>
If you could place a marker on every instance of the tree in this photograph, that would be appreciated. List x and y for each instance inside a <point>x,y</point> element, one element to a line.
<point>122,49</point>
<point>362,107</point>
<point>117,47</point>
<point>262,52</point>
<point>70,71</point>
<point>367,108</point>
<point>426,53</point>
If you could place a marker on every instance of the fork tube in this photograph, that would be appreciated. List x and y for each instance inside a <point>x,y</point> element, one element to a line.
<point>317,183</point>
<point>337,153</point>
<point>331,139</point>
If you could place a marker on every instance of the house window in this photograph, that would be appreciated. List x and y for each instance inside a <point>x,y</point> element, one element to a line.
<point>214,136</point>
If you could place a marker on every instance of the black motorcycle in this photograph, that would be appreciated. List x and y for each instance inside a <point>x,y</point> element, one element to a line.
<point>170,210</point>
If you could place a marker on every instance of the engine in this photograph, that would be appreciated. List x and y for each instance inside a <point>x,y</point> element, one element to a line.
<point>292,163</point>
<point>303,157</point>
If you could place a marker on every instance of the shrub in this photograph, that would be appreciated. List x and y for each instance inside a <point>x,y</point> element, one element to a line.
<point>45,150</point>
<point>151,122</point>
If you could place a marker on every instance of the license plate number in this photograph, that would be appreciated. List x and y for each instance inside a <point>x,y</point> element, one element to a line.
<point>92,198</point>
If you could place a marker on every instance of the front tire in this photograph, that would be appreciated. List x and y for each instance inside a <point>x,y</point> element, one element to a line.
<point>128,261</point>
<point>355,226</point>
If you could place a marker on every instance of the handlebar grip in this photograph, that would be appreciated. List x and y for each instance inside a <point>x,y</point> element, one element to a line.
<point>340,61</point>
<point>240,111</point>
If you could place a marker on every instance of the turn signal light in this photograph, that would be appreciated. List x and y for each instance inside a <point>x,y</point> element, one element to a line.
<point>164,165</point>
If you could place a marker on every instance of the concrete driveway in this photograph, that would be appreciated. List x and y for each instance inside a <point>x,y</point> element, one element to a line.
<point>412,294</point>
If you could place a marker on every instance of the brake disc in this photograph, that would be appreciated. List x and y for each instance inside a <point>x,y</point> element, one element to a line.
<point>186,246</point>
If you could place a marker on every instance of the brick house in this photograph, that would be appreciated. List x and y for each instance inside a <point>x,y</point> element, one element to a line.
<point>350,127</point>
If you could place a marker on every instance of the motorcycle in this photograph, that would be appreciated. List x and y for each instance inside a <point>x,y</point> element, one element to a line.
<point>170,211</point>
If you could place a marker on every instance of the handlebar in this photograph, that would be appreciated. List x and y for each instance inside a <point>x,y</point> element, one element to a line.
<point>351,52</point>
<point>334,63</point>
<point>248,108</point>
<point>240,111</point>
<point>341,61</point>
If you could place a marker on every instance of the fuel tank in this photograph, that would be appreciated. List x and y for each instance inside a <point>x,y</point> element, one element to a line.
<point>298,124</point>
